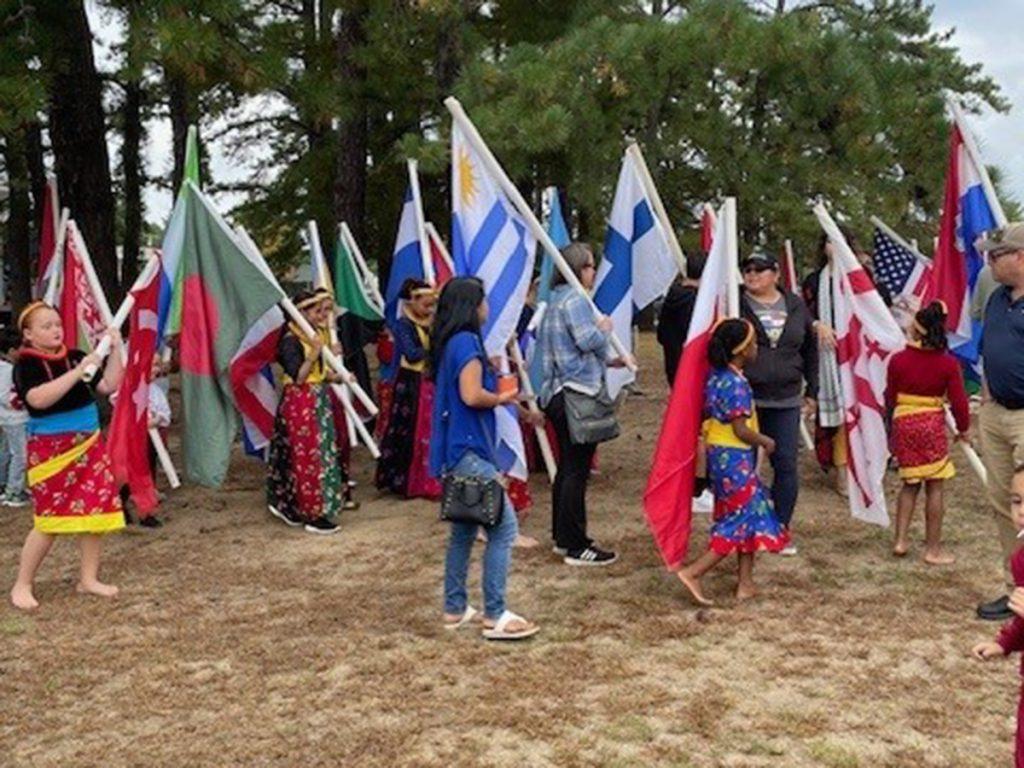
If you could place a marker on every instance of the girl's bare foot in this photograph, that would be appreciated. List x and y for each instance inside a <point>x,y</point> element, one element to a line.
<point>746,592</point>
<point>939,558</point>
<point>693,585</point>
<point>900,549</point>
<point>525,542</point>
<point>23,599</point>
<point>97,588</point>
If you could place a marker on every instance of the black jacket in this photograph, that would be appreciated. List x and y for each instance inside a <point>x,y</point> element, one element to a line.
<point>674,324</point>
<point>779,372</point>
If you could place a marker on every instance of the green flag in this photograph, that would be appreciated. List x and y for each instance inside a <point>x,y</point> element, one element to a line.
<point>349,291</point>
<point>229,328</point>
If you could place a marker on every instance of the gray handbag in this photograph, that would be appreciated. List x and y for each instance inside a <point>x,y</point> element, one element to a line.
<point>591,418</point>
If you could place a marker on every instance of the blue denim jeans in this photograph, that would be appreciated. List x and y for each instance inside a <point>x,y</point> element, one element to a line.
<point>13,443</point>
<point>783,426</point>
<point>497,554</point>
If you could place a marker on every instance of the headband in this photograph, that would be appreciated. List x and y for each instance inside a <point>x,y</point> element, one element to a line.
<point>28,310</point>
<point>746,339</point>
<point>417,292</point>
<point>318,295</point>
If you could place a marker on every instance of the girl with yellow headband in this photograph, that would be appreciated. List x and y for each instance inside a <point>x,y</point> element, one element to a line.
<point>744,522</point>
<point>921,379</point>
<point>307,479</point>
<point>73,488</point>
<point>403,467</point>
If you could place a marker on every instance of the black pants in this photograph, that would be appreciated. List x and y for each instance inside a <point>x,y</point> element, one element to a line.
<point>569,493</point>
<point>783,426</point>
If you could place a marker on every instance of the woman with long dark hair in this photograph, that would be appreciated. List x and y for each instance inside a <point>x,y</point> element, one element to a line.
<point>463,444</point>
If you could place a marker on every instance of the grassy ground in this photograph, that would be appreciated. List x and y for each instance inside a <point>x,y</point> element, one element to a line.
<point>236,641</point>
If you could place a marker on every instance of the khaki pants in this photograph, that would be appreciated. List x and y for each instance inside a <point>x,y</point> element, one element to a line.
<point>1002,436</point>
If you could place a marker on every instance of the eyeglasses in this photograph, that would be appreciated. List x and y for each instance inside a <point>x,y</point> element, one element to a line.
<point>996,255</point>
<point>758,268</point>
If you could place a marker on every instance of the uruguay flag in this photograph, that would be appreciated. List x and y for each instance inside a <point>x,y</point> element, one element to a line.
<point>491,241</point>
<point>637,267</point>
<point>966,216</point>
<point>407,260</point>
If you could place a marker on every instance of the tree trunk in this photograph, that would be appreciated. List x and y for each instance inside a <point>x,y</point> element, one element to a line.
<point>183,113</point>
<point>350,176</point>
<point>78,134</point>
<point>16,252</point>
<point>316,59</point>
<point>131,162</point>
<point>36,173</point>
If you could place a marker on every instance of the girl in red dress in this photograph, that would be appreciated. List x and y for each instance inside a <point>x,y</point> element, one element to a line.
<point>921,379</point>
<point>73,488</point>
<point>1011,636</point>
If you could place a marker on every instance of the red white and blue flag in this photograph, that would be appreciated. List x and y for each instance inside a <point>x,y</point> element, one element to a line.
<point>966,217</point>
<point>903,273</point>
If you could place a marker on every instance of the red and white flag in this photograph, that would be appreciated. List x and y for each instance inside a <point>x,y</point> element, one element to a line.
<point>48,235</point>
<point>708,225</point>
<point>668,499</point>
<point>444,270</point>
<point>254,393</point>
<point>128,441</point>
<point>790,281</point>
<point>79,310</point>
<point>867,335</point>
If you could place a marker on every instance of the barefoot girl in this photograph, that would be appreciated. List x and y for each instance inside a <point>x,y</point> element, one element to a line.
<point>69,474</point>
<point>921,378</point>
<point>307,482</point>
<point>744,522</point>
<point>1011,636</point>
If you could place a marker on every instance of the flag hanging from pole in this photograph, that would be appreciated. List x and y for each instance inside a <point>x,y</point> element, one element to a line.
<point>128,442</point>
<point>78,307</point>
<point>867,335</point>
<point>668,498</point>
<point>708,225</point>
<point>903,274</point>
<point>48,235</point>
<point>406,260</point>
<point>444,270</point>
<point>966,216</point>
<point>491,241</point>
<point>349,289</point>
<point>637,267</point>
<point>169,310</point>
<point>790,281</point>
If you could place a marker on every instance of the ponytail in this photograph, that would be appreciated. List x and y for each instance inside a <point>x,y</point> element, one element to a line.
<point>930,324</point>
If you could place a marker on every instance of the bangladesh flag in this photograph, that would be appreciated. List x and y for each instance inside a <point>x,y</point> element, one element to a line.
<point>228,310</point>
<point>350,291</point>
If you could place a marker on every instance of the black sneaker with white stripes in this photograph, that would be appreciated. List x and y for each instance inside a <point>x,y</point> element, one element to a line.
<point>286,516</point>
<point>590,556</point>
<point>321,526</point>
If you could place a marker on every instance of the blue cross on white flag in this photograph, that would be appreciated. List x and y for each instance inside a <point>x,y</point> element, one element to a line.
<point>491,241</point>
<point>637,267</point>
<point>407,260</point>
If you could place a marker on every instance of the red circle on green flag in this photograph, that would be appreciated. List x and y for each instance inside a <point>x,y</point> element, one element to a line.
<point>199,326</point>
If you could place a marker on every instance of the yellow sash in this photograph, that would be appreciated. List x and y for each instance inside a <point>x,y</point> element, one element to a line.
<point>317,372</point>
<point>424,337</point>
<point>722,435</point>
<point>57,464</point>
<point>911,405</point>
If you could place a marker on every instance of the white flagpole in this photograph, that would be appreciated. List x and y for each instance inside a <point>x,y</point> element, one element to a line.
<point>975,155</point>
<point>421,230</point>
<point>436,238</point>
<point>732,251</point>
<point>531,404</point>
<point>633,150</point>
<point>515,197</point>
<point>368,279</point>
<point>316,252</point>
<point>55,269</point>
<point>899,240</point>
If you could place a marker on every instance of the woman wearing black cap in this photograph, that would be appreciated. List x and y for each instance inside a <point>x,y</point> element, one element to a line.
<point>784,376</point>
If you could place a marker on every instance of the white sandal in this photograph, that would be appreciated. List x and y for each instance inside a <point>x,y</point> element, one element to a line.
<point>467,616</point>
<point>500,630</point>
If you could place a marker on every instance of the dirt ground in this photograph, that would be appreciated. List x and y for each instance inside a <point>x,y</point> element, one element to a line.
<point>239,642</point>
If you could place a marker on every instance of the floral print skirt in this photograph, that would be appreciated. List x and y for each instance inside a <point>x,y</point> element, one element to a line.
<point>744,520</point>
<point>404,464</point>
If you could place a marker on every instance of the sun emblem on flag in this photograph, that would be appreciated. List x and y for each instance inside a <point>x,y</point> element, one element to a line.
<point>467,178</point>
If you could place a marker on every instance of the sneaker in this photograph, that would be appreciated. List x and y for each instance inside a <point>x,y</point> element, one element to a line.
<point>285,516</point>
<point>17,500</point>
<point>321,527</point>
<point>590,556</point>
<point>152,521</point>
<point>789,550</point>
<point>705,503</point>
<point>560,551</point>
<point>350,504</point>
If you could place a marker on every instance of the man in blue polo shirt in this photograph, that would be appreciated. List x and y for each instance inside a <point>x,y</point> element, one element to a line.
<point>1002,410</point>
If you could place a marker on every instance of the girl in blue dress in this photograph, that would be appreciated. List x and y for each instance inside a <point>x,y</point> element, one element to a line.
<point>744,522</point>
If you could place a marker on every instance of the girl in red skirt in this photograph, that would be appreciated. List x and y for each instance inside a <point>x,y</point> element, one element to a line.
<point>921,379</point>
<point>69,473</point>
<point>1011,636</point>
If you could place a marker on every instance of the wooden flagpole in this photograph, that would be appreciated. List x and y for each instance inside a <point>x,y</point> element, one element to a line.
<point>633,151</point>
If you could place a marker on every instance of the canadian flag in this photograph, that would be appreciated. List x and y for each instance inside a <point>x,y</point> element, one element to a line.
<point>128,442</point>
<point>867,335</point>
<point>79,311</point>
<point>668,499</point>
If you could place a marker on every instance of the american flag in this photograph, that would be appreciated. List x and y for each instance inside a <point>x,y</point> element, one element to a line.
<point>903,274</point>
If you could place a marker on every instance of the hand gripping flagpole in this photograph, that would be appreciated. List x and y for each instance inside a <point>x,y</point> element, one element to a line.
<point>117,321</point>
<point>473,137</point>
<point>307,330</point>
<point>316,252</point>
<point>531,405</point>
<point>633,150</point>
